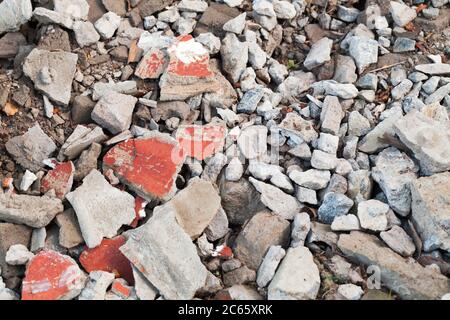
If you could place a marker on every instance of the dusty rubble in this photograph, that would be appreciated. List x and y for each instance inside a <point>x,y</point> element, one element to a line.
<point>229,149</point>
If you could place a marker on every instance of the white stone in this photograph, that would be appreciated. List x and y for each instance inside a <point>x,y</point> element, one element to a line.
<point>319,53</point>
<point>269,265</point>
<point>27,180</point>
<point>297,278</point>
<point>347,222</point>
<point>18,255</point>
<point>401,13</point>
<point>372,215</point>
<point>350,291</point>
<point>107,24</point>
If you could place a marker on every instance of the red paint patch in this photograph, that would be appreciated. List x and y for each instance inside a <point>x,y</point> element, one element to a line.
<point>121,289</point>
<point>152,64</point>
<point>60,179</point>
<point>201,142</point>
<point>107,257</point>
<point>50,276</point>
<point>149,166</point>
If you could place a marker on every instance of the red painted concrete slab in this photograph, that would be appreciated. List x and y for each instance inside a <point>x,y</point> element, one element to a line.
<point>200,141</point>
<point>149,166</point>
<point>60,179</point>
<point>51,276</point>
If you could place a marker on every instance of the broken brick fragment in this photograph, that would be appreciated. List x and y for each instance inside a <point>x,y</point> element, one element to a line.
<point>201,142</point>
<point>52,276</point>
<point>149,166</point>
<point>107,257</point>
<point>59,179</point>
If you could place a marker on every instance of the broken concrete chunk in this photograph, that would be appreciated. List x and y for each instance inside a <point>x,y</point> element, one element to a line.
<point>14,13</point>
<point>297,278</point>
<point>18,254</point>
<point>34,211</point>
<point>157,153</point>
<point>269,265</point>
<point>96,286</point>
<point>281,203</point>
<point>394,171</point>
<point>399,241</point>
<point>101,209</point>
<point>253,141</point>
<point>114,111</point>
<point>259,234</point>
<point>31,148</point>
<point>166,256</point>
<point>52,73</point>
<point>408,279</point>
<point>430,207</point>
<point>429,140</point>
<point>69,230</point>
<point>194,207</point>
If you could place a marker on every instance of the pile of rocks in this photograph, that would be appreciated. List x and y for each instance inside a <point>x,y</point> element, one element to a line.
<point>232,149</point>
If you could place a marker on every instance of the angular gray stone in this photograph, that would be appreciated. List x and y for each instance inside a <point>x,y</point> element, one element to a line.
<point>261,232</point>
<point>400,91</point>
<point>334,205</point>
<point>402,44</point>
<point>69,229</point>
<point>144,289</point>
<point>76,9</point>
<point>345,71</point>
<point>236,25</point>
<point>323,160</point>
<point>234,56</point>
<point>340,90</point>
<point>96,286</point>
<point>430,207</point>
<point>34,211</point>
<point>331,115</point>
<point>18,254</point>
<point>434,68</point>
<point>276,200</point>
<point>429,140</point>
<point>218,227</point>
<point>250,101</point>
<point>295,84</point>
<point>269,265</point>
<point>372,141</point>
<point>295,127</point>
<point>300,229</point>
<point>358,125</point>
<point>52,73</point>
<point>399,241</point>
<point>101,209</point>
<point>364,51</point>
<point>46,16</point>
<point>297,278</point>
<point>394,171</point>
<point>401,13</point>
<point>31,148</point>
<point>107,25</point>
<point>347,222</point>
<point>372,215</point>
<point>438,95</point>
<point>252,141</point>
<point>195,206</point>
<point>408,279</point>
<point>318,54</point>
<point>14,13</point>
<point>114,111</point>
<point>312,179</point>
<point>166,256</point>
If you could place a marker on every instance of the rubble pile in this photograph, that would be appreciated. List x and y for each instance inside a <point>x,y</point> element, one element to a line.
<point>224,149</point>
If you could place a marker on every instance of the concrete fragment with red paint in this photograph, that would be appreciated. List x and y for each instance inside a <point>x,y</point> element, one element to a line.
<point>188,73</point>
<point>52,276</point>
<point>121,288</point>
<point>149,165</point>
<point>201,142</point>
<point>59,179</point>
<point>107,257</point>
<point>101,209</point>
<point>153,64</point>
